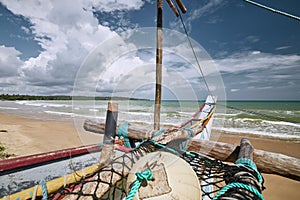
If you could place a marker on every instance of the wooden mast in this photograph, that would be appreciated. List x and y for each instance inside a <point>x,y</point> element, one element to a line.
<point>159,57</point>
<point>158,66</point>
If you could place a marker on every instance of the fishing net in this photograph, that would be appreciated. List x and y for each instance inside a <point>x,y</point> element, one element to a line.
<point>218,180</point>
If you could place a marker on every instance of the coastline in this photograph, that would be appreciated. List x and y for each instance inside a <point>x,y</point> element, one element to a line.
<point>22,136</point>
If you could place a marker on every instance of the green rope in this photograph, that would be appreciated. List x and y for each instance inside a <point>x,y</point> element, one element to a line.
<point>123,131</point>
<point>238,185</point>
<point>249,163</point>
<point>141,176</point>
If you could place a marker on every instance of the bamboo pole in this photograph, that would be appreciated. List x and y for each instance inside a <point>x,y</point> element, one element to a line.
<point>181,6</point>
<point>171,4</point>
<point>158,66</point>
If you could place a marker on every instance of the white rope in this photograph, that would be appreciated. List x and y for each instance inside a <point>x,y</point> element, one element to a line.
<point>34,192</point>
<point>65,180</point>
<point>273,10</point>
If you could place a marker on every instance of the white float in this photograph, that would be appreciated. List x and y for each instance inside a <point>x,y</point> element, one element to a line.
<point>173,178</point>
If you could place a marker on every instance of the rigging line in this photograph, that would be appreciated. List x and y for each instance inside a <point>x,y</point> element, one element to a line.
<point>194,53</point>
<point>273,10</point>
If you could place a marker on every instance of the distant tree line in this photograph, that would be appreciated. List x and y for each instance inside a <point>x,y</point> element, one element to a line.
<point>14,97</point>
<point>19,97</point>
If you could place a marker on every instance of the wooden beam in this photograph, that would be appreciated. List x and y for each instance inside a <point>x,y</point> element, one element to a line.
<point>246,149</point>
<point>134,131</point>
<point>266,162</point>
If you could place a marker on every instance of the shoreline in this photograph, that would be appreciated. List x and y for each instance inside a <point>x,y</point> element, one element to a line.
<point>22,136</point>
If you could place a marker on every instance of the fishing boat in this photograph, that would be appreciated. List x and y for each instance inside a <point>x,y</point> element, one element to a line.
<point>132,163</point>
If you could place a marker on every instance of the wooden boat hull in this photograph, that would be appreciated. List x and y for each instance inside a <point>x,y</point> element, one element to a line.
<point>21,173</point>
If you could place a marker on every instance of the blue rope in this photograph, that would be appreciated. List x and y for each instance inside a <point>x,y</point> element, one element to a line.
<point>141,176</point>
<point>238,185</point>
<point>249,163</point>
<point>123,131</point>
<point>157,133</point>
<point>190,135</point>
<point>44,189</point>
<point>246,162</point>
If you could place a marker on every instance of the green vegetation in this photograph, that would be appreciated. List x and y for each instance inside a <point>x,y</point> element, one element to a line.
<point>15,97</point>
<point>3,154</point>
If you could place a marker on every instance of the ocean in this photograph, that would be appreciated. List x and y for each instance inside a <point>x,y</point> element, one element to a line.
<point>276,119</point>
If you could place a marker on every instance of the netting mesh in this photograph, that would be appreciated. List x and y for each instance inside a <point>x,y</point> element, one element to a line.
<point>109,182</point>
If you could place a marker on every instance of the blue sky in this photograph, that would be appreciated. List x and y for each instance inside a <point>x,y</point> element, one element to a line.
<point>44,43</point>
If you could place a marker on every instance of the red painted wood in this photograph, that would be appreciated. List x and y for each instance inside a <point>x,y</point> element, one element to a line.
<point>16,163</point>
<point>193,117</point>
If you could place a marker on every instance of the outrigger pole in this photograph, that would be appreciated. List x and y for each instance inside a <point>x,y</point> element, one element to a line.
<point>159,56</point>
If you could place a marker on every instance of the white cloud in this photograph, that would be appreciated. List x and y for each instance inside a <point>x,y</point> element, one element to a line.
<point>256,52</point>
<point>259,75</point>
<point>283,47</point>
<point>234,90</point>
<point>67,31</point>
<point>26,30</point>
<point>256,60</point>
<point>9,61</point>
<point>10,64</point>
<point>113,5</point>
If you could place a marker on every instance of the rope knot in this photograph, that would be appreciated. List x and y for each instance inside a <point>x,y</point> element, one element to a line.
<point>144,176</point>
<point>140,177</point>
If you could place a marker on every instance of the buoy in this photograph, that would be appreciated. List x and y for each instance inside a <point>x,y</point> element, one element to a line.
<point>172,178</point>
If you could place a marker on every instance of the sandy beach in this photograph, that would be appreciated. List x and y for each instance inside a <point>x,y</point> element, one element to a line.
<point>23,136</point>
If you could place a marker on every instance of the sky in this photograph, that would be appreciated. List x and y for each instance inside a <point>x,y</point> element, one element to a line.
<point>46,48</point>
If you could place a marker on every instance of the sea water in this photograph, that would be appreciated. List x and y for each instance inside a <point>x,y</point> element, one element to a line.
<point>278,119</point>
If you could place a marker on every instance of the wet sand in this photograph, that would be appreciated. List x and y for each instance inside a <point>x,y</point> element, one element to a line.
<point>23,136</point>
